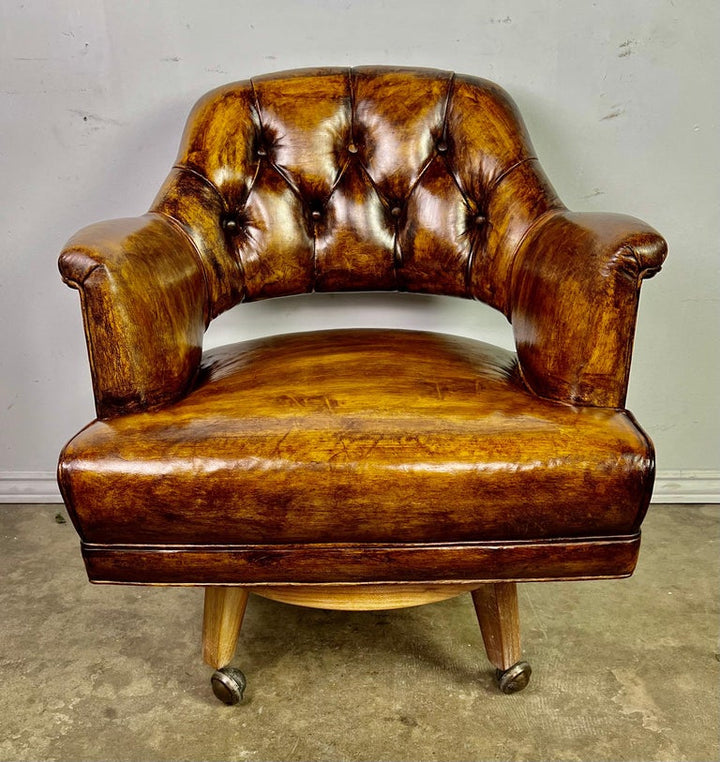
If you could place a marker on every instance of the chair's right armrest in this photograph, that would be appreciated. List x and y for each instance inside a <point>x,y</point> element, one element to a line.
<point>575,288</point>
<point>144,305</point>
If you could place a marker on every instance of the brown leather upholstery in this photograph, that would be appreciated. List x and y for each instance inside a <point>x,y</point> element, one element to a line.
<point>359,455</point>
<point>287,440</point>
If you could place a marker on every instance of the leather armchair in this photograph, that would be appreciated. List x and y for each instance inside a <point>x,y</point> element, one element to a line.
<point>359,468</point>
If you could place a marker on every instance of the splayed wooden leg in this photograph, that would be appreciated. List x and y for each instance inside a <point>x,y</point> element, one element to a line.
<point>223,616</point>
<point>496,606</point>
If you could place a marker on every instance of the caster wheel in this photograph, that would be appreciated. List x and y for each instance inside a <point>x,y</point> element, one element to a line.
<point>228,685</point>
<point>515,678</point>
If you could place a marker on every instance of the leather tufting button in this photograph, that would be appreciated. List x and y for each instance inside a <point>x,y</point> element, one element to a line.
<point>315,214</point>
<point>230,225</point>
<point>352,148</point>
<point>480,220</point>
<point>261,152</point>
<point>442,147</point>
<point>396,211</point>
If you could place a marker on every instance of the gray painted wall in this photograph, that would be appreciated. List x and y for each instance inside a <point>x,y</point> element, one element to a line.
<point>619,96</point>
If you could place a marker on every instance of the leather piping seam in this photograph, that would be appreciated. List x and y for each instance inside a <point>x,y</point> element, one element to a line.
<point>280,172</point>
<point>351,92</point>
<point>79,283</point>
<point>276,167</point>
<point>451,172</point>
<point>643,271</point>
<point>90,342</point>
<point>651,451</point>
<point>225,207</point>
<point>384,201</point>
<point>398,258</point>
<point>289,547</point>
<point>239,261</point>
<point>507,171</point>
<point>472,254</point>
<point>631,338</point>
<point>223,203</point>
<point>205,180</point>
<point>567,402</point>
<point>455,178</point>
<point>177,225</point>
<point>537,222</point>
<point>96,580</point>
<point>446,110</point>
<point>338,178</point>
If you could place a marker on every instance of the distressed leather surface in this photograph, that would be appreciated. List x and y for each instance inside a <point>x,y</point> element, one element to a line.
<point>292,439</point>
<point>144,309</point>
<point>370,178</point>
<point>380,179</point>
<point>363,179</point>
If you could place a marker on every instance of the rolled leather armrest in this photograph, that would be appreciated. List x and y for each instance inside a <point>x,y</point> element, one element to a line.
<point>144,303</point>
<point>575,287</point>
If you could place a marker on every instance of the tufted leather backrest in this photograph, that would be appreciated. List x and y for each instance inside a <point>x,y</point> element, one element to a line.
<point>371,178</point>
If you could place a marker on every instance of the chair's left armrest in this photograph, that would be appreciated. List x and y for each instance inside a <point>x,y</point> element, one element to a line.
<point>144,304</point>
<point>574,298</point>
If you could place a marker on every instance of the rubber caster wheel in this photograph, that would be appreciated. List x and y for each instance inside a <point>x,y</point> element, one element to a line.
<point>228,685</point>
<point>515,678</point>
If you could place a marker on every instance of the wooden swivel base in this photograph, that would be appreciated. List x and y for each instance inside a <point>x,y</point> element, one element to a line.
<point>495,604</point>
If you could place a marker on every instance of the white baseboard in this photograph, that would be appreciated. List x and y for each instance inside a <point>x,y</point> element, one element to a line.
<point>687,487</point>
<point>29,487</point>
<point>670,487</point>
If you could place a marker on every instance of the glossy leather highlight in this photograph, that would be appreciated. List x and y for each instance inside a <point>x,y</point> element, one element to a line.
<point>290,440</point>
<point>359,455</point>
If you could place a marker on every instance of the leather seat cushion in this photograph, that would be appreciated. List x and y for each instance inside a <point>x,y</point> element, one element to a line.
<point>359,436</point>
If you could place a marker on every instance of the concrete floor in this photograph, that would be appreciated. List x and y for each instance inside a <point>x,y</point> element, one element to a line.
<point>624,670</point>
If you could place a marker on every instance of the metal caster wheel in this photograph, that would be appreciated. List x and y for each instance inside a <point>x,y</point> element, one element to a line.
<point>514,678</point>
<point>228,685</point>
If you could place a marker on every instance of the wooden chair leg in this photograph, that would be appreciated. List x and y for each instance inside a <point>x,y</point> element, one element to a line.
<point>222,619</point>
<point>496,606</point>
<point>497,611</point>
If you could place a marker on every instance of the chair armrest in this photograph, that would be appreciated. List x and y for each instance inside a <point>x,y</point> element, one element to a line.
<point>574,297</point>
<point>144,302</point>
